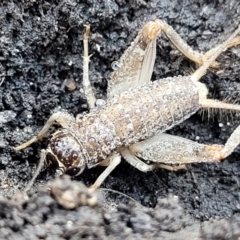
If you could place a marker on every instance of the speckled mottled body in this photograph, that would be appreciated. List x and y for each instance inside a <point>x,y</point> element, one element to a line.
<point>132,116</point>
<point>132,121</point>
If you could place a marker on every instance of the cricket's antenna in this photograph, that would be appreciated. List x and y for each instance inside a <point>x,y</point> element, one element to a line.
<point>38,170</point>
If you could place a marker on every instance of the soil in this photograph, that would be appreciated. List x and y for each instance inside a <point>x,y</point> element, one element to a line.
<point>41,72</point>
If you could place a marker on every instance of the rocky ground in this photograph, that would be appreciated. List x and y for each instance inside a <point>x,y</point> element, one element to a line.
<point>41,72</point>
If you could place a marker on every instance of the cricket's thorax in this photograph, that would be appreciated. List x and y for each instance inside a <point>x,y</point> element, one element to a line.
<point>133,116</point>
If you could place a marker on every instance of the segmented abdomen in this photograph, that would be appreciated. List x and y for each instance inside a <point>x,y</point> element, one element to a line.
<point>135,115</point>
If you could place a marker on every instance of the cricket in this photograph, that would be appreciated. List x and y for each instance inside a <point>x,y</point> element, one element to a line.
<point>131,123</point>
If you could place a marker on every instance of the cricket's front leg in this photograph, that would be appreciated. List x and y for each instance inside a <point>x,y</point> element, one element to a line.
<point>62,118</point>
<point>164,149</point>
<point>111,162</point>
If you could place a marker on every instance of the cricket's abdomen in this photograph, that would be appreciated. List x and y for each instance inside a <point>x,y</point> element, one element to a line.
<point>135,115</point>
<point>153,108</point>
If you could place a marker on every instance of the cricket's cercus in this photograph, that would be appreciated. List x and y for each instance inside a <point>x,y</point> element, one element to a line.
<point>130,124</point>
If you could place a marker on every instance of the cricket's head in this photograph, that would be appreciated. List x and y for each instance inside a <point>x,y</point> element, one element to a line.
<point>65,151</point>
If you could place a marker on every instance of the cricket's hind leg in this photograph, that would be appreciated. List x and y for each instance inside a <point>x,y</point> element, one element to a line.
<point>186,50</point>
<point>172,152</point>
<point>156,152</point>
<point>213,53</point>
<point>233,43</point>
<point>62,118</point>
<point>204,102</point>
<point>207,60</point>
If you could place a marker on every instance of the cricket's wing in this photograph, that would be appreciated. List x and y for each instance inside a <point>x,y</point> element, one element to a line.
<point>135,67</point>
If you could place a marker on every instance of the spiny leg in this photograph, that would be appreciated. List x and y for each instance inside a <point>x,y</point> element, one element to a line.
<point>217,51</point>
<point>185,49</point>
<point>62,118</point>
<point>208,54</point>
<point>212,103</point>
<point>136,64</point>
<point>179,43</point>
<point>203,101</point>
<point>112,161</point>
<point>86,82</point>
<point>165,149</point>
